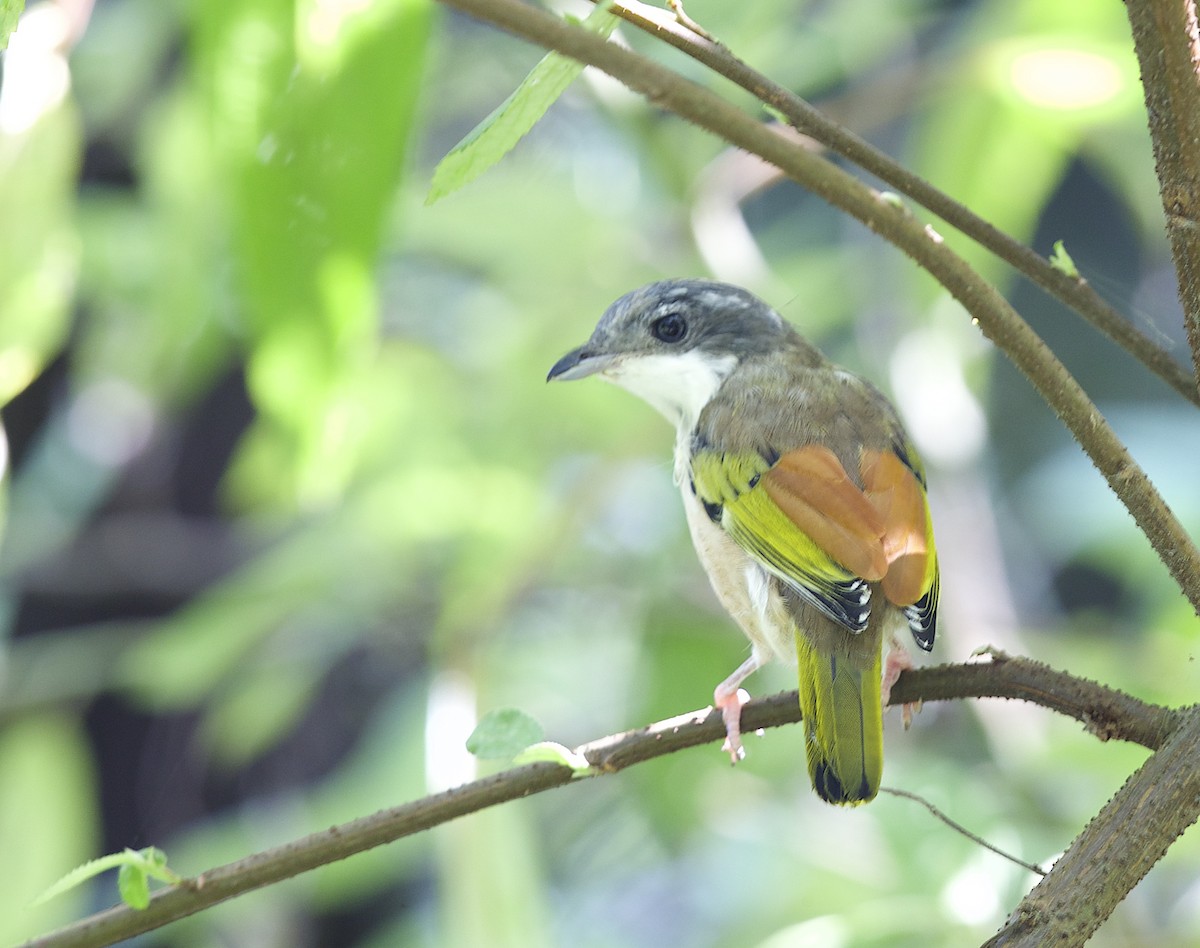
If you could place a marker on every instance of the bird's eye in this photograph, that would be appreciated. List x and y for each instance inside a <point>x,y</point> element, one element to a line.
<point>670,328</point>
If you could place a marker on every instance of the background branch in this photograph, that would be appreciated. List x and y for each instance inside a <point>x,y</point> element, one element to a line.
<point>1076,293</point>
<point>994,316</point>
<point>1125,718</point>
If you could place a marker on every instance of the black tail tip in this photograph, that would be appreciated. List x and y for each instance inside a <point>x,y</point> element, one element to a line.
<point>831,789</point>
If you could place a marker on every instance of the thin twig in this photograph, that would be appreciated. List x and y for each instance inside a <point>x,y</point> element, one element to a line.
<point>681,15</point>
<point>959,828</point>
<point>1075,292</point>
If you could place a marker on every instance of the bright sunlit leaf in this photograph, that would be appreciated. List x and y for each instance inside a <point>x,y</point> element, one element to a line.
<point>1065,78</point>
<point>48,816</point>
<point>496,135</point>
<point>315,153</point>
<point>10,12</point>
<point>40,144</point>
<point>1082,80</point>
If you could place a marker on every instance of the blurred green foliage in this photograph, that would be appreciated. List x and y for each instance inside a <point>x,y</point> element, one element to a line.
<point>10,12</point>
<point>288,506</point>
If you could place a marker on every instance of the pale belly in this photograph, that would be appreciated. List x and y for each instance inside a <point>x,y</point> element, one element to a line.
<point>744,588</point>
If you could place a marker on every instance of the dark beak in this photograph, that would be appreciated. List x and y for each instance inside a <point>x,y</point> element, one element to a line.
<point>578,364</point>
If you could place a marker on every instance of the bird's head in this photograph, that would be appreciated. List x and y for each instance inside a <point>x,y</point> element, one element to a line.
<point>674,343</point>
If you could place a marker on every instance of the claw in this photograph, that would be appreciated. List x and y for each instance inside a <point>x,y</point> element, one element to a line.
<point>730,705</point>
<point>896,662</point>
<point>729,697</point>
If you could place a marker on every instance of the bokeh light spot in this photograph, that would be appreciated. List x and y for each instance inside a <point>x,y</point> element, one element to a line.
<point>1065,79</point>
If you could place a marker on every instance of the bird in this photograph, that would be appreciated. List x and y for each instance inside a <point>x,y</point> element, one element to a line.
<point>805,500</point>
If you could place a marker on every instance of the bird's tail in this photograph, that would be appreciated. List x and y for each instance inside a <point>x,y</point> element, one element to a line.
<point>843,720</point>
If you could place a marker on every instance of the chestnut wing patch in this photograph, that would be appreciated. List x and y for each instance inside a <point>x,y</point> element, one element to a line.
<point>813,527</point>
<point>894,489</point>
<point>812,489</point>
<point>732,489</point>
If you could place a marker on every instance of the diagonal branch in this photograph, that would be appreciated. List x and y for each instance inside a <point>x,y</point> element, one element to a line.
<point>1117,848</point>
<point>1075,292</point>
<point>998,321</point>
<point>1124,718</point>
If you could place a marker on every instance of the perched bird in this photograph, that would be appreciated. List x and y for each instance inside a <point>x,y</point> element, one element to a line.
<point>805,500</point>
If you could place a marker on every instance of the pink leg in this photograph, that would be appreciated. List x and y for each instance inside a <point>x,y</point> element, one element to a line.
<point>728,698</point>
<point>897,660</point>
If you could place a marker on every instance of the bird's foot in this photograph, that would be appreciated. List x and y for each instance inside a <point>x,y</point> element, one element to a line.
<point>730,702</point>
<point>896,662</point>
<point>728,697</point>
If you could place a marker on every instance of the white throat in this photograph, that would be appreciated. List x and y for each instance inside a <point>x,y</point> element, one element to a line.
<point>678,385</point>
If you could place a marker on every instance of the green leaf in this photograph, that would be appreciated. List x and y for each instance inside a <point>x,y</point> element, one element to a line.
<point>503,734</point>
<point>48,816</point>
<point>80,875</point>
<point>1062,262</point>
<point>310,170</point>
<point>39,252</point>
<point>134,870</point>
<point>134,886</point>
<point>10,12</point>
<point>555,753</point>
<point>495,136</point>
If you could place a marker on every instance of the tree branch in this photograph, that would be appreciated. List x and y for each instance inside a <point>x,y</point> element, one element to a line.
<point>1076,293</point>
<point>998,321</point>
<point>1104,712</point>
<point>1166,40</point>
<point>1117,848</point>
<point>1124,718</point>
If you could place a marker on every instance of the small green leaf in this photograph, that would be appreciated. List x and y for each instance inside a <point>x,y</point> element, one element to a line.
<point>1062,262</point>
<point>154,862</point>
<point>555,753</point>
<point>134,869</point>
<point>133,885</point>
<point>80,875</point>
<point>503,733</point>
<point>10,12</point>
<point>495,136</point>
